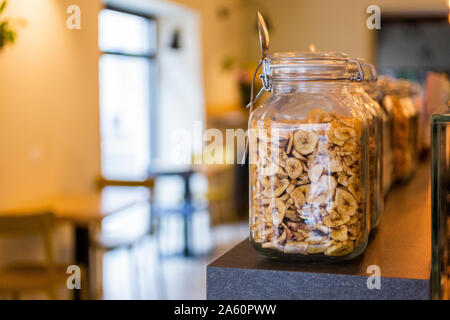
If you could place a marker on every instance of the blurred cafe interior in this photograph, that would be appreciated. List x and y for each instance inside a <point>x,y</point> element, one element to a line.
<point>101,102</point>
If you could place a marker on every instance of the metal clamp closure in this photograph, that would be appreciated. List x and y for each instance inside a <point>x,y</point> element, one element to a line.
<point>359,76</point>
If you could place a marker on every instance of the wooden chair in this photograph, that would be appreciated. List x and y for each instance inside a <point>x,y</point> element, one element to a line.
<point>32,276</point>
<point>220,193</point>
<point>147,183</point>
<point>108,243</point>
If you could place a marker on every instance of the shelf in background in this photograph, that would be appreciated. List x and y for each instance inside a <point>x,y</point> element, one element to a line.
<point>400,246</point>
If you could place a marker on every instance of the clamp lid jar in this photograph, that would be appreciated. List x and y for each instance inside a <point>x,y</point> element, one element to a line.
<point>308,161</point>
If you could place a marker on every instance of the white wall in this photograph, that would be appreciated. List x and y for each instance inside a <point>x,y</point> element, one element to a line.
<point>49,125</point>
<point>49,122</point>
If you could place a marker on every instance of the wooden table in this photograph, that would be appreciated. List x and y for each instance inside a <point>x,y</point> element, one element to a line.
<point>83,210</point>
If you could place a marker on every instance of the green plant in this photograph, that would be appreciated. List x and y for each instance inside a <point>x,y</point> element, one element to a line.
<point>8,31</point>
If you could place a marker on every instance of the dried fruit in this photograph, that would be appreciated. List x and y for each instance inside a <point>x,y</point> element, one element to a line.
<point>290,188</point>
<point>319,247</point>
<point>350,146</point>
<point>278,211</point>
<point>315,237</point>
<point>293,168</point>
<point>354,186</point>
<point>291,142</point>
<point>298,196</point>
<point>315,172</point>
<point>339,233</point>
<point>319,116</point>
<point>296,247</point>
<point>346,203</point>
<point>306,186</point>
<point>335,165</point>
<point>305,142</point>
<point>340,248</point>
<point>322,191</point>
<point>298,155</point>
<point>282,237</point>
<point>280,186</point>
<point>331,222</point>
<point>343,133</point>
<point>354,229</point>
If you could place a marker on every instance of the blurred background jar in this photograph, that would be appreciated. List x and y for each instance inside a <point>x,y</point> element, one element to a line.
<point>374,115</point>
<point>308,161</point>
<point>405,127</point>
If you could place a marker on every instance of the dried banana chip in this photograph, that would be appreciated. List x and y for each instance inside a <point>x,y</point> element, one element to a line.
<point>280,186</point>
<point>335,222</point>
<point>354,229</point>
<point>354,186</point>
<point>269,245</point>
<point>340,233</point>
<point>298,196</point>
<point>319,116</point>
<point>346,204</point>
<point>290,188</point>
<point>293,167</point>
<point>315,172</point>
<point>322,191</point>
<point>278,208</point>
<point>292,215</point>
<point>298,155</point>
<point>344,133</point>
<point>305,142</point>
<point>335,165</point>
<point>296,247</point>
<point>340,248</point>
<point>291,142</point>
<point>315,237</point>
<point>319,247</point>
<point>350,146</point>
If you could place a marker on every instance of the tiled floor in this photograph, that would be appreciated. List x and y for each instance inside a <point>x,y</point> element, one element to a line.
<point>170,278</point>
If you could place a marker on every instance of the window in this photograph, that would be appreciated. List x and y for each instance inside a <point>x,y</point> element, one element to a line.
<point>127,70</point>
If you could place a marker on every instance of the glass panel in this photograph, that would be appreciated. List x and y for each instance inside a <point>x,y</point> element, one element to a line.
<point>440,178</point>
<point>126,33</point>
<point>125,116</point>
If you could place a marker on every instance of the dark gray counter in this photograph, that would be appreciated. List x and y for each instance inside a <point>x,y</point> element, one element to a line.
<point>401,247</point>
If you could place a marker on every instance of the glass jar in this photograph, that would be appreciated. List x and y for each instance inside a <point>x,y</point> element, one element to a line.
<point>373,89</point>
<point>308,162</point>
<point>440,201</point>
<point>405,129</point>
<point>373,114</point>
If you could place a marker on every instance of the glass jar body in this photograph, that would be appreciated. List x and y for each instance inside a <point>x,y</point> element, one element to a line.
<point>374,117</point>
<point>308,173</point>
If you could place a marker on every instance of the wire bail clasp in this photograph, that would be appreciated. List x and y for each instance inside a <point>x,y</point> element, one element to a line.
<point>264,76</point>
<point>264,63</point>
<point>265,80</point>
<point>359,75</point>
